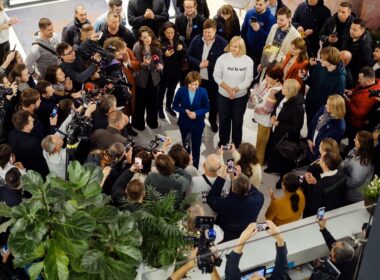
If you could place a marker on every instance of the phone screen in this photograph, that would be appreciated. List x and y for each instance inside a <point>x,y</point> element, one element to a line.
<point>230,165</point>
<point>321,213</point>
<point>138,163</point>
<point>54,112</point>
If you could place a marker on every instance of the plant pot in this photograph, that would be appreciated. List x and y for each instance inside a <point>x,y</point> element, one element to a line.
<point>149,273</point>
<point>369,204</point>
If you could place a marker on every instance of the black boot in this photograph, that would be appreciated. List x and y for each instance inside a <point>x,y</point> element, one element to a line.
<point>161,113</point>
<point>130,130</point>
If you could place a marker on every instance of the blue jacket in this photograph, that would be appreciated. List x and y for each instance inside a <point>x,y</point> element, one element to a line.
<point>200,106</point>
<point>333,129</point>
<point>195,51</point>
<point>255,41</point>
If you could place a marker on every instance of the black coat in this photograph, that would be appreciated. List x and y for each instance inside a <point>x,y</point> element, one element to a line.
<point>123,32</point>
<point>136,11</point>
<point>28,151</point>
<point>172,63</point>
<point>71,32</point>
<point>329,192</point>
<point>78,72</point>
<point>181,24</point>
<point>332,25</point>
<point>361,51</point>
<point>221,26</point>
<point>311,17</point>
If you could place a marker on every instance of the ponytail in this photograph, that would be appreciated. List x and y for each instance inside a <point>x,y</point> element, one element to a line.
<point>294,199</point>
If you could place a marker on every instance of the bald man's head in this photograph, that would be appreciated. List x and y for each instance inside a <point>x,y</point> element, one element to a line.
<point>346,57</point>
<point>212,164</point>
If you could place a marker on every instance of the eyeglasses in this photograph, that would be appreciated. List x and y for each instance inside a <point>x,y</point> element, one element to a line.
<point>70,52</point>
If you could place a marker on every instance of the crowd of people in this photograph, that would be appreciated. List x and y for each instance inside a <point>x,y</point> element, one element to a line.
<point>115,81</point>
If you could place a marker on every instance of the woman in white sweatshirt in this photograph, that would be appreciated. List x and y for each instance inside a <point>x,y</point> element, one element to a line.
<point>233,73</point>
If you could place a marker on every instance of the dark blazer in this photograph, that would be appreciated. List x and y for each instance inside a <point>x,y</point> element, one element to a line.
<point>332,129</point>
<point>181,24</point>
<point>200,106</point>
<point>235,212</point>
<point>28,151</point>
<point>103,138</point>
<point>195,50</point>
<point>329,192</point>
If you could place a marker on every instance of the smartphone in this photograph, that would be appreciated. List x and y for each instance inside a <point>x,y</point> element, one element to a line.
<point>253,19</point>
<point>147,56</point>
<point>170,48</point>
<point>227,147</point>
<point>100,34</point>
<point>54,112</point>
<point>230,165</point>
<point>321,213</point>
<point>138,163</point>
<point>160,137</point>
<point>14,48</point>
<point>262,226</point>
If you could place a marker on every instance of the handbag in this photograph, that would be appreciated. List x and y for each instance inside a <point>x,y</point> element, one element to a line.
<point>288,149</point>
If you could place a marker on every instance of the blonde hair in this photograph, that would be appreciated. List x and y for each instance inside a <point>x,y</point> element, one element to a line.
<point>331,55</point>
<point>292,86</point>
<point>240,42</point>
<point>337,106</point>
<point>329,145</point>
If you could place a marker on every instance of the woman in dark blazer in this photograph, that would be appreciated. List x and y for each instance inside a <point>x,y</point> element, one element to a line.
<point>191,102</point>
<point>287,118</point>
<point>328,122</point>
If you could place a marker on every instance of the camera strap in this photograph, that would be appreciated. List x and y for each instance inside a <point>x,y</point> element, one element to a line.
<point>207,180</point>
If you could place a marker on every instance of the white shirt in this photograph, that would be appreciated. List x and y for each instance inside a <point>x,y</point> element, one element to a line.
<point>206,51</point>
<point>56,162</point>
<point>4,34</point>
<point>376,66</point>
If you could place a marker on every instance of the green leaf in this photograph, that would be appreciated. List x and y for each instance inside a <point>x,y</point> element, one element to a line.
<point>105,214</point>
<point>116,270</point>
<point>71,206</point>
<point>92,189</point>
<point>36,231</point>
<point>131,251</point>
<point>133,238</point>
<point>59,183</point>
<point>75,172</point>
<point>19,225</point>
<point>56,263</point>
<point>78,226</point>
<point>20,245</point>
<point>76,264</point>
<point>74,248</point>
<point>93,261</point>
<point>29,257</point>
<point>35,269</point>
<point>5,211</point>
<point>32,182</point>
<point>4,226</point>
<point>27,209</point>
<point>95,171</point>
<point>82,276</point>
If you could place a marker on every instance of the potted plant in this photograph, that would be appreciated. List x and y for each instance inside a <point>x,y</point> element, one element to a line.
<point>371,191</point>
<point>159,220</point>
<point>67,230</point>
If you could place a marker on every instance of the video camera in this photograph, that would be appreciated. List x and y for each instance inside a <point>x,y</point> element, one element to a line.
<point>155,143</point>
<point>78,129</point>
<point>205,258</point>
<point>374,93</point>
<point>130,143</point>
<point>5,91</point>
<point>106,54</point>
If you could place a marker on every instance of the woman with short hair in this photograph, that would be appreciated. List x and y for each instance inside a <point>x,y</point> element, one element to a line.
<point>191,102</point>
<point>233,73</point>
<point>227,22</point>
<point>328,122</point>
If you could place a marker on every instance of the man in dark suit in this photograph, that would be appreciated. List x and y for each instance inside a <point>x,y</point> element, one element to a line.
<point>26,147</point>
<point>202,55</point>
<point>240,208</point>
<point>327,192</point>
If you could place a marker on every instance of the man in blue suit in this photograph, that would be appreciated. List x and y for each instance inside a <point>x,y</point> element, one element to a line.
<point>191,102</point>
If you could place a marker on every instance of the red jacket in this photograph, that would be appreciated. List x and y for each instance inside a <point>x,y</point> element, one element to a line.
<point>360,105</point>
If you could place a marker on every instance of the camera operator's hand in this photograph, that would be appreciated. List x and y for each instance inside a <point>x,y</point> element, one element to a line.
<point>166,144</point>
<point>90,109</point>
<point>53,121</point>
<point>96,57</point>
<point>181,272</point>
<point>275,232</point>
<point>8,60</point>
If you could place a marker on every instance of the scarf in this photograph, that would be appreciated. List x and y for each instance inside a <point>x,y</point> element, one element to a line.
<point>323,120</point>
<point>189,27</point>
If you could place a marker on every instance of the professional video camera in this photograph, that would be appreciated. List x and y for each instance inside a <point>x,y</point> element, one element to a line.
<point>5,91</point>
<point>205,258</point>
<point>92,48</point>
<point>374,93</point>
<point>78,129</point>
<point>155,143</point>
<point>130,143</point>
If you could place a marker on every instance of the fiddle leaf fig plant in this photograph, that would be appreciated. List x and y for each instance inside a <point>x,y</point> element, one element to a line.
<point>67,230</point>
